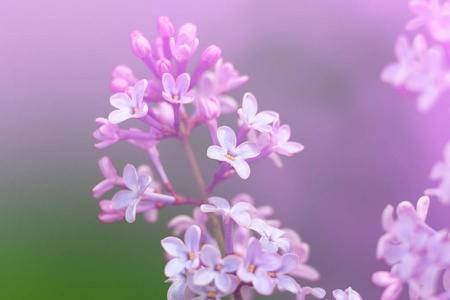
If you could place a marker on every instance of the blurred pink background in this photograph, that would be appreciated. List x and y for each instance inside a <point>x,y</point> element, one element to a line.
<point>315,62</point>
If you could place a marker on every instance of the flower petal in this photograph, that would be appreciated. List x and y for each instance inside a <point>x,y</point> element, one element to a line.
<point>118,116</point>
<point>287,283</point>
<point>242,168</point>
<point>168,83</point>
<point>130,177</point>
<point>242,218</point>
<point>220,203</point>
<point>122,199</point>
<point>182,84</point>
<point>174,267</point>
<point>120,101</point>
<point>192,238</point>
<point>204,276</point>
<point>138,92</point>
<point>270,262</point>
<point>227,138</point>
<point>130,214</point>
<point>231,263</point>
<point>288,263</point>
<point>247,150</point>
<point>210,255</point>
<point>249,106</point>
<point>174,246</point>
<point>206,208</point>
<point>223,282</point>
<point>262,283</point>
<point>265,117</point>
<point>216,152</point>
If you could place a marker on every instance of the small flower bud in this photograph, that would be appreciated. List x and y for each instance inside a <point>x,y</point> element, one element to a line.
<point>163,66</point>
<point>118,85</point>
<point>165,27</point>
<point>140,45</point>
<point>122,71</point>
<point>209,108</point>
<point>211,55</point>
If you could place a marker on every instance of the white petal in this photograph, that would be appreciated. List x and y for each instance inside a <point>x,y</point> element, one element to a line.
<point>120,101</point>
<point>119,116</point>
<point>220,203</point>
<point>242,168</point>
<point>130,177</point>
<point>227,138</point>
<point>216,152</point>
<point>249,106</point>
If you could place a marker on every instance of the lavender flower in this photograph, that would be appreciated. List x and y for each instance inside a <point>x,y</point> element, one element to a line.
<point>306,290</point>
<point>271,238</point>
<point>228,152</point>
<point>257,266</point>
<point>216,269</point>
<point>186,256</point>
<point>128,108</point>
<point>348,294</point>
<point>210,291</point>
<point>138,187</point>
<point>175,92</point>
<point>281,136</point>
<point>238,212</point>
<point>253,120</point>
<point>282,280</point>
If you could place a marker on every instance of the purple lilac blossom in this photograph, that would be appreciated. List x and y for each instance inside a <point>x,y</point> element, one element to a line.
<point>175,91</point>
<point>128,108</point>
<point>111,178</point>
<point>216,269</point>
<point>186,254</point>
<point>228,152</point>
<point>252,119</point>
<point>257,266</point>
<point>416,252</point>
<point>239,211</point>
<point>210,291</point>
<point>271,237</point>
<point>348,294</point>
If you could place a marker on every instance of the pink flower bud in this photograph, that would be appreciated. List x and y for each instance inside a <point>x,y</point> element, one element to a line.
<point>211,55</point>
<point>163,66</point>
<point>118,85</point>
<point>122,71</point>
<point>165,27</point>
<point>139,44</point>
<point>209,108</point>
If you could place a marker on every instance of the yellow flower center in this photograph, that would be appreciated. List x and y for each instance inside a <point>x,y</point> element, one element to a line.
<point>271,274</point>
<point>218,267</point>
<point>191,256</point>
<point>211,295</point>
<point>136,110</point>
<point>176,98</point>
<point>251,268</point>
<point>230,157</point>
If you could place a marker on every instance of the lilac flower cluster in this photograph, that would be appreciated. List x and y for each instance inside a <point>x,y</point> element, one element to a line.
<point>250,252</point>
<point>420,68</point>
<point>418,255</point>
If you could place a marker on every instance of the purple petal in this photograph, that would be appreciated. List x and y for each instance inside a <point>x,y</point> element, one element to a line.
<point>231,263</point>
<point>339,295</point>
<point>168,83</point>
<point>244,274</point>
<point>119,116</point>
<point>206,208</point>
<point>216,152</point>
<point>284,133</point>
<point>138,92</point>
<point>174,246</point>
<point>120,101</point>
<point>107,168</point>
<point>192,238</point>
<point>182,84</point>
<point>210,255</point>
<point>387,218</point>
<point>247,150</point>
<point>306,272</point>
<point>227,138</point>
<point>177,290</point>
<point>446,280</point>
<point>254,250</point>
<point>284,244</point>
<point>293,147</point>
<point>204,276</point>
<point>242,218</point>
<point>174,267</point>
<point>270,262</point>
<point>264,128</point>
<point>422,207</point>
<point>220,203</point>
<point>265,117</point>
<point>268,245</point>
<point>262,283</point>
<point>259,226</point>
<point>122,199</point>
<point>130,214</point>
<point>223,282</point>
<point>130,177</point>
<point>188,98</point>
<point>288,263</point>
<point>401,47</point>
<point>287,283</point>
<point>242,168</point>
<point>243,206</point>
<point>249,106</point>
<point>143,183</point>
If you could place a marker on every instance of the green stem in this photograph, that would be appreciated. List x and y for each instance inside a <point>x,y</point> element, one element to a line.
<point>215,226</point>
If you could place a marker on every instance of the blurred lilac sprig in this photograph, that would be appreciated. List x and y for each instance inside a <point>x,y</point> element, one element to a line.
<point>419,256</point>
<point>420,68</point>
<point>248,252</point>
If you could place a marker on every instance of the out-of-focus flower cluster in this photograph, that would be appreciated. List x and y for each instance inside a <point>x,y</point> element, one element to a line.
<point>421,68</point>
<point>419,256</point>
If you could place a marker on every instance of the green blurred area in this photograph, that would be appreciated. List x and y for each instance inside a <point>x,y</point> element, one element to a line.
<point>54,247</point>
